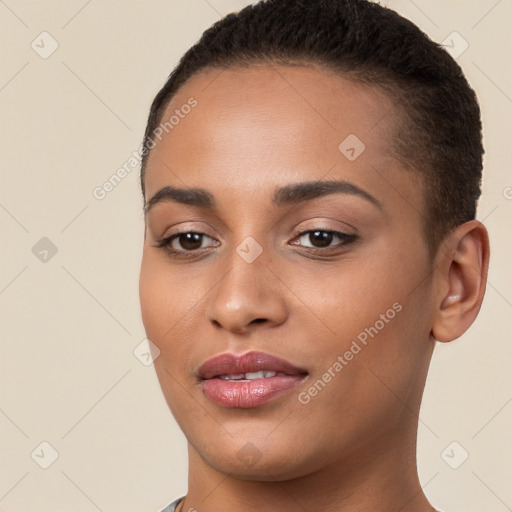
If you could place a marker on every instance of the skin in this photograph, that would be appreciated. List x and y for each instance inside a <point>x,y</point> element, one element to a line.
<point>353,446</point>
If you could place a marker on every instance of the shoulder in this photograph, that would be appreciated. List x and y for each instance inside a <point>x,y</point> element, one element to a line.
<point>172,506</point>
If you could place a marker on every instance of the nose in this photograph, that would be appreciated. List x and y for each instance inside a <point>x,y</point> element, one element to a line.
<point>247,297</point>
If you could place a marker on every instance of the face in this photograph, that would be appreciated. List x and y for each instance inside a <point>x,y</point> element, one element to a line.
<point>266,265</point>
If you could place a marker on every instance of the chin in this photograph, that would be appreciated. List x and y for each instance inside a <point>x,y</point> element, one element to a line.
<point>278,461</point>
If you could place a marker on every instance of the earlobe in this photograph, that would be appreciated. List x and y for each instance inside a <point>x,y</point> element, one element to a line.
<point>462,275</point>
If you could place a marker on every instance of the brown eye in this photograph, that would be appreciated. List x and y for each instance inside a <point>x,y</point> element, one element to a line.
<point>185,244</point>
<point>188,241</point>
<point>321,238</point>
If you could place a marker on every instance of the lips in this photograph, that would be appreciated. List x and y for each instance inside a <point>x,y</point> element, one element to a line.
<point>231,364</point>
<point>248,380</point>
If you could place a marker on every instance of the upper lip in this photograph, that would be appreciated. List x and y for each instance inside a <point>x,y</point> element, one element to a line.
<point>231,364</point>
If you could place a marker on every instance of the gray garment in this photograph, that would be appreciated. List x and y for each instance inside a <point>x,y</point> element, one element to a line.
<point>172,506</point>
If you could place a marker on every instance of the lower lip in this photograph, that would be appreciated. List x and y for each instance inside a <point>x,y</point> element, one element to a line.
<point>245,394</point>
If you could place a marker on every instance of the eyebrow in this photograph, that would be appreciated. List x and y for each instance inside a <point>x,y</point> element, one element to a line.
<point>289,194</point>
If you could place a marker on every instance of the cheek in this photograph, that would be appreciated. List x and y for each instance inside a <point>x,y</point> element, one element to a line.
<point>169,301</point>
<point>165,296</point>
<point>164,316</point>
<point>352,297</point>
<point>378,310</point>
<point>162,307</point>
<point>152,298</point>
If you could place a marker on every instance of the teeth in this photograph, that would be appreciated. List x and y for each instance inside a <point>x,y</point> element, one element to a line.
<point>255,375</point>
<point>249,375</point>
<point>237,376</point>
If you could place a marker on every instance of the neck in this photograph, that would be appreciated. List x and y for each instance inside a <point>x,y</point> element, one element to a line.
<point>385,480</point>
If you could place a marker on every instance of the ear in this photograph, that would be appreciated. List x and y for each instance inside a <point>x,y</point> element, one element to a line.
<point>461,280</point>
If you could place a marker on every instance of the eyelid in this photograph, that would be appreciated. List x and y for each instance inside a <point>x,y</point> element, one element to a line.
<point>319,224</point>
<point>317,227</point>
<point>346,239</point>
<point>189,227</point>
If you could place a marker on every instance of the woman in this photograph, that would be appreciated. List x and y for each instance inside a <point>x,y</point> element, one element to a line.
<point>310,178</point>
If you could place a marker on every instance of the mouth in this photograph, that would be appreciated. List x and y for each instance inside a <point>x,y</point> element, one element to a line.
<point>248,380</point>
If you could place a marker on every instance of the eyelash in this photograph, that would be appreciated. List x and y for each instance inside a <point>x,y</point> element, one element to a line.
<point>165,243</point>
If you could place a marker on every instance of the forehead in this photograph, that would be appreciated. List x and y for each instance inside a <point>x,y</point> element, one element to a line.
<point>287,123</point>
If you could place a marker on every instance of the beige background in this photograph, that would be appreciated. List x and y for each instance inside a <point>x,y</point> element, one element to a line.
<point>69,326</point>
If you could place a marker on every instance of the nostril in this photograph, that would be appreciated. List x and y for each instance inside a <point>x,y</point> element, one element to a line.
<point>259,320</point>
